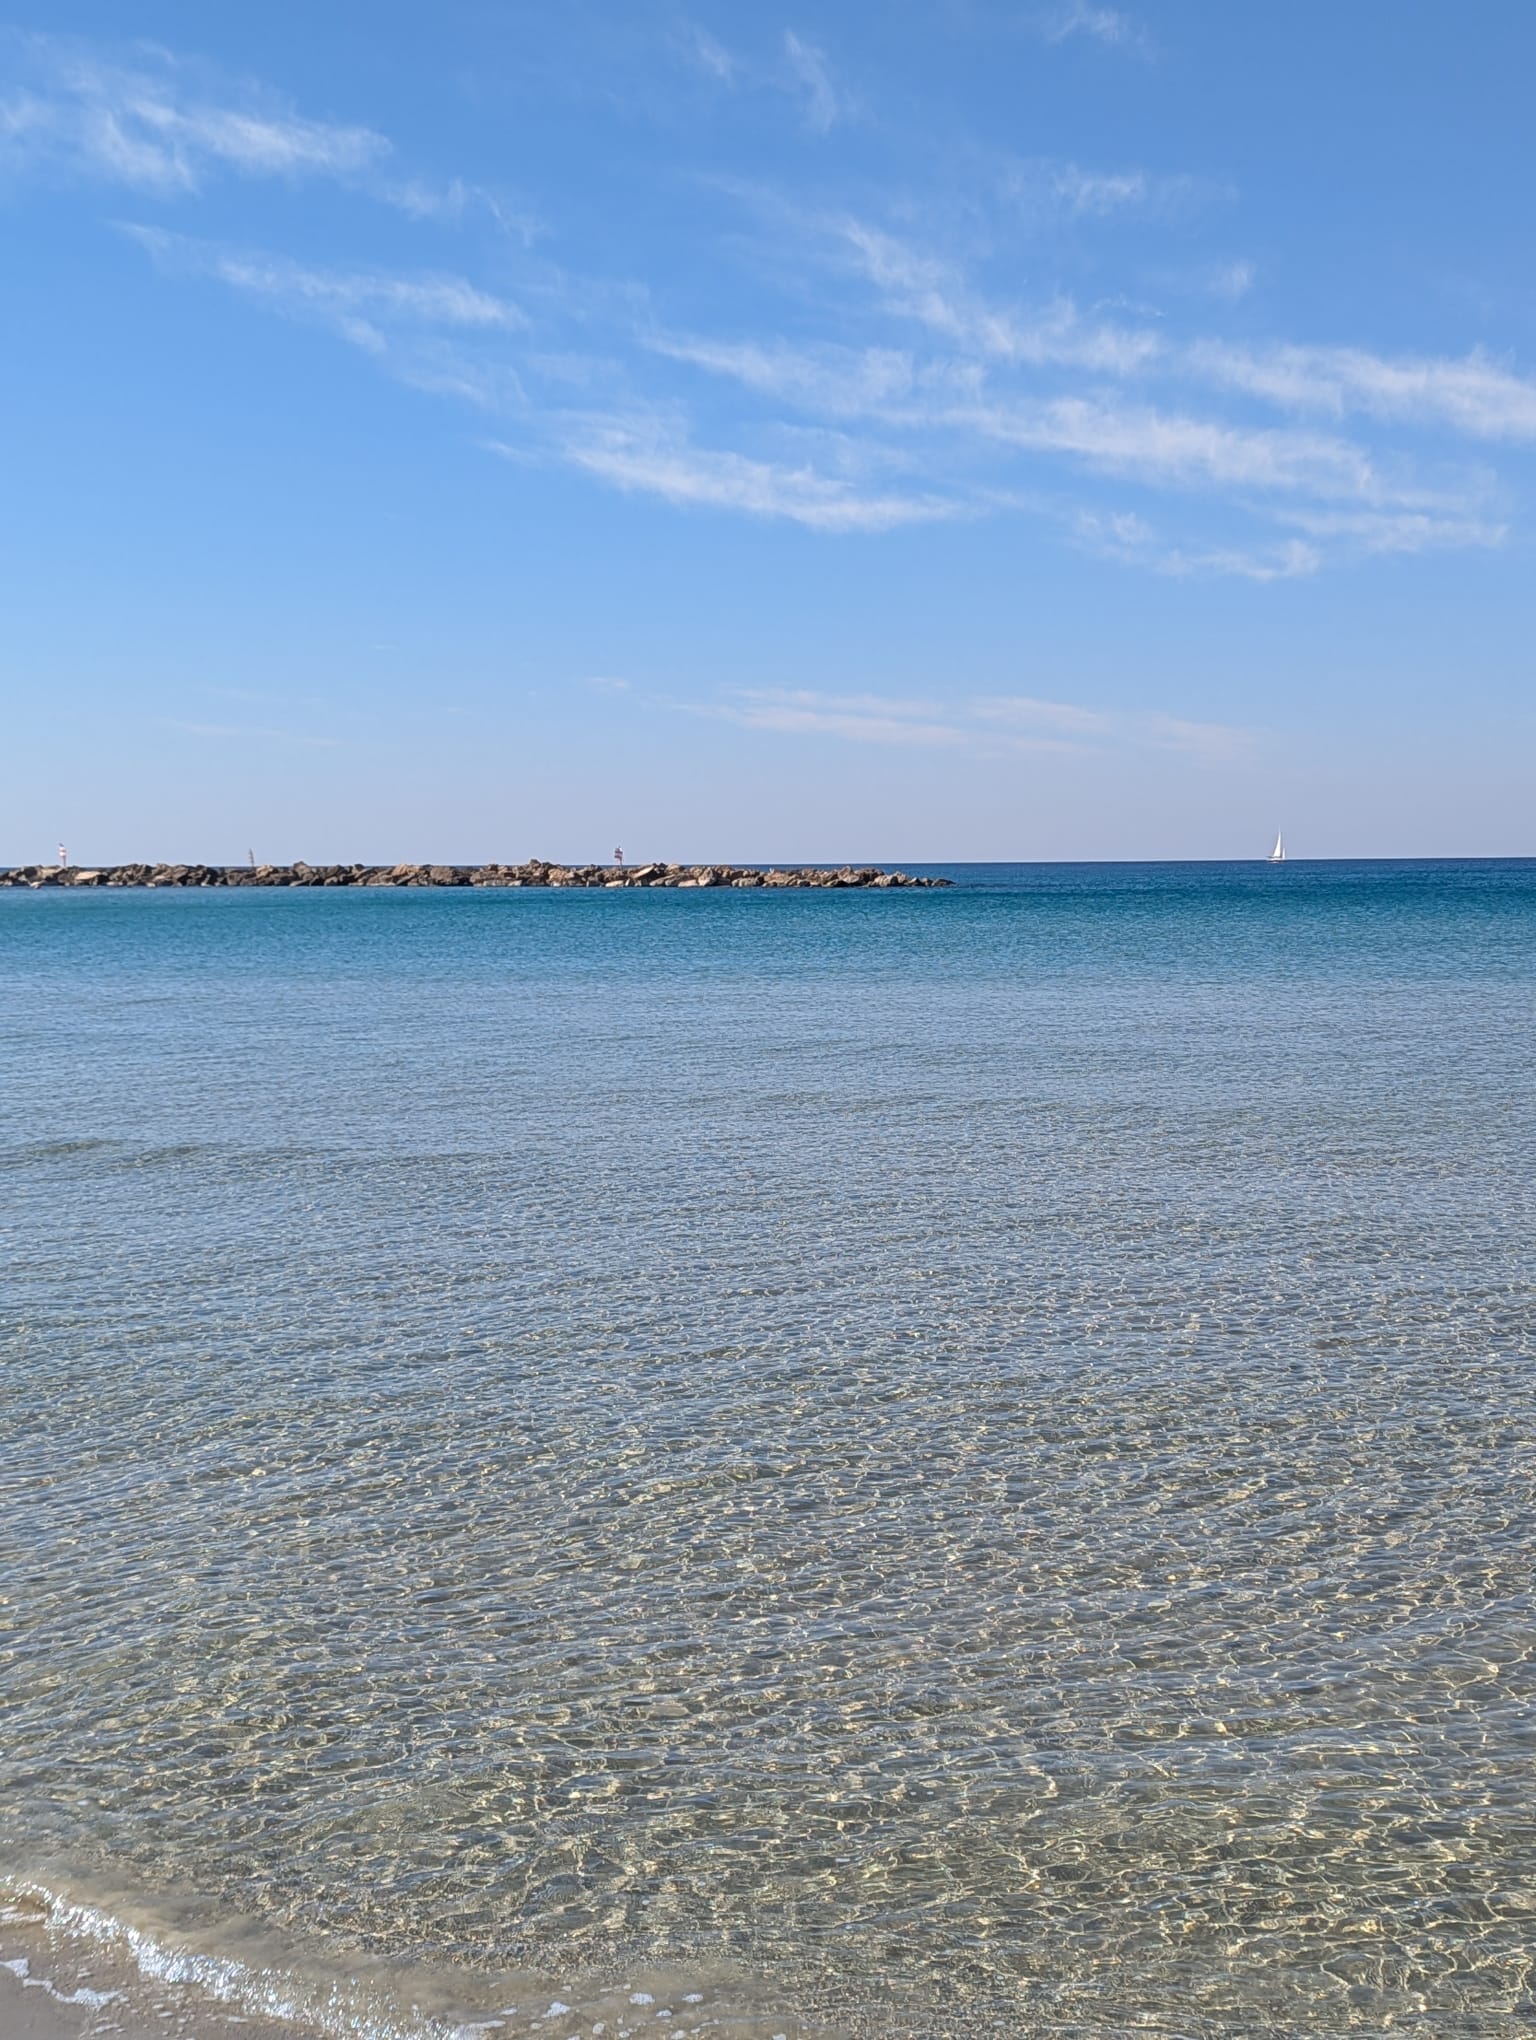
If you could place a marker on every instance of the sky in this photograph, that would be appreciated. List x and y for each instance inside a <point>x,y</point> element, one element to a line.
<point>918,430</point>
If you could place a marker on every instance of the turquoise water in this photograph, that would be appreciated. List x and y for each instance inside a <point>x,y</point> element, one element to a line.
<point>914,1463</point>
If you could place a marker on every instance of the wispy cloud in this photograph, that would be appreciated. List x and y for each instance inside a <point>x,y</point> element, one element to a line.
<point>1047,186</point>
<point>1110,26</point>
<point>933,293</point>
<point>147,125</point>
<point>802,70</point>
<point>1209,742</point>
<point>823,104</point>
<point>642,455</point>
<point>443,368</point>
<point>1028,711</point>
<point>1114,434</point>
<point>1139,439</point>
<point>833,380</point>
<point>357,304</point>
<point>1398,531</point>
<point>1231,280</point>
<point>154,123</point>
<point>1096,193</point>
<point>859,719</point>
<point>915,388</point>
<point>965,381</point>
<point>641,450</point>
<point>991,723</point>
<point>1130,539</point>
<point>707,53</point>
<point>1473,395</point>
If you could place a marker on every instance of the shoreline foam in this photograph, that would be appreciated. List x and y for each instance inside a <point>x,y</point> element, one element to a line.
<point>71,1968</point>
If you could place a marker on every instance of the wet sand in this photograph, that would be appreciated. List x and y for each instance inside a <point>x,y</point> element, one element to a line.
<point>50,1990</point>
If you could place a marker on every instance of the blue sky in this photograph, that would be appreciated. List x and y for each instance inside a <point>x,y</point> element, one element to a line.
<point>927,429</point>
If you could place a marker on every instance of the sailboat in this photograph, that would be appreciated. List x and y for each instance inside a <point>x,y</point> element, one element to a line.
<point>1277,855</point>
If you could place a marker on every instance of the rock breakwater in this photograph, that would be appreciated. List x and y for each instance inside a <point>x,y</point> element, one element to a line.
<point>536,872</point>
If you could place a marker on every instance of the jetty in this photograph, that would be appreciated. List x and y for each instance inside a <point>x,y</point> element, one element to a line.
<point>536,872</point>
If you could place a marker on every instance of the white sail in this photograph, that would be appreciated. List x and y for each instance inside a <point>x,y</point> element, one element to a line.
<point>1277,855</point>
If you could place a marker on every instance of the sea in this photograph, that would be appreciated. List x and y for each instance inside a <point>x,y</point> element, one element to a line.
<point>922,1463</point>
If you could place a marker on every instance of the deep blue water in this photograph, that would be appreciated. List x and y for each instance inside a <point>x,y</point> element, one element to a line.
<point>933,1462</point>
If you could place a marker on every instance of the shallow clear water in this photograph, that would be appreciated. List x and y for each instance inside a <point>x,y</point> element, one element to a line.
<point>953,1461</point>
